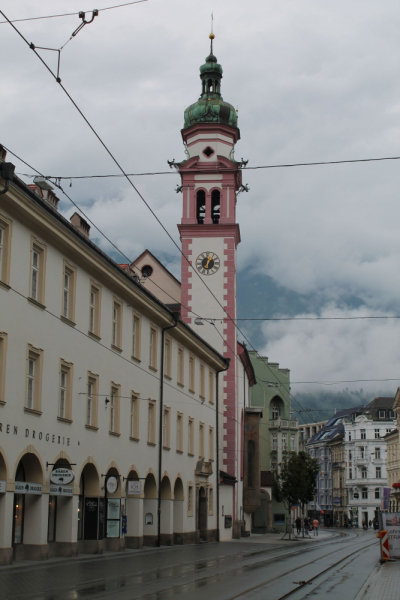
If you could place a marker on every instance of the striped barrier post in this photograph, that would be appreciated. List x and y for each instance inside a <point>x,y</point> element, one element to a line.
<point>385,552</point>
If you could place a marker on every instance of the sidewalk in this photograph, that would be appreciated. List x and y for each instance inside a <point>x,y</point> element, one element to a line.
<point>383,583</point>
<point>276,538</point>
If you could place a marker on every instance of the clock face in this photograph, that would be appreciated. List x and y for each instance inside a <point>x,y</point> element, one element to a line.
<point>207,263</point>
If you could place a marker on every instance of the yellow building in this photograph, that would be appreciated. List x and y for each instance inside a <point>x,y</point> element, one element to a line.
<point>393,459</point>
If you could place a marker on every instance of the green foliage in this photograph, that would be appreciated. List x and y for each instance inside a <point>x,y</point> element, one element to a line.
<point>296,480</point>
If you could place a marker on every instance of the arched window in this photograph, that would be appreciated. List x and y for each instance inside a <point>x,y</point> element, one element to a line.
<point>215,206</point>
<point>275,411</point>
<point>210,85</point>
<point>250,463</point>
<point>200,206</point>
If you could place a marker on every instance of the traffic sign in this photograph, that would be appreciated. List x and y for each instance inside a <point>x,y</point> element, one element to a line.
<point>385,553</point>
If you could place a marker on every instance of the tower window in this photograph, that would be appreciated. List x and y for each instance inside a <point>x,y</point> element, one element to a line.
<point>147,271</point>
<point>201,207</point>
<point>215,206</point>
<point>208,151</point>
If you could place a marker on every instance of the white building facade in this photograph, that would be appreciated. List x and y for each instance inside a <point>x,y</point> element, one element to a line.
<point>90,382</point>
<point>366,459</point>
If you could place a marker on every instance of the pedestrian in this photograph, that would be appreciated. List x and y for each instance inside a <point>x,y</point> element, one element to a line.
<point>363,524</point>
<point>370,523</point>
<point>316,525</point>
<point>298,525</point>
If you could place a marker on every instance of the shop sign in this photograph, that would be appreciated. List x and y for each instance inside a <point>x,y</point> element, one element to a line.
<point>337,501</point>
<point>61,490</point>
<point>113,509</point>
<point>134,488</point>
<point>22,487</point>
<point>112,485</point>
<point>2,487</point>
<point>391,522</point>
<point>62,476</point>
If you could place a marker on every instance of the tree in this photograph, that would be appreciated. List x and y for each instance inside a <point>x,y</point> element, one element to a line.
<point>295,483</point>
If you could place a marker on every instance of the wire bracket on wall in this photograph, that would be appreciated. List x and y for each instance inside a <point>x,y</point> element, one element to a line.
<point>77,30</point>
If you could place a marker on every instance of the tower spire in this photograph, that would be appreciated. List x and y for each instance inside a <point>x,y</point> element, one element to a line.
<point>212,36</point>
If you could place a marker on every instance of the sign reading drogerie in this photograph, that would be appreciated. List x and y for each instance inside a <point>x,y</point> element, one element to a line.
<point>112,485</point>
<point>62,476</point>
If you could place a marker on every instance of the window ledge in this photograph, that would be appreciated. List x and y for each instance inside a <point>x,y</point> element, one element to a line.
<point>180,384</point>
<point>91,427</point>
<point>136,359</point>
<point>114,433</point>
<point>116,348</point>
<point>153,368</point>
<point>167,448</point>
<point>2,402</point>
<point>168,377</point>
<point>151,443</point>
<point>64,420</point>
<point>134,439</point>
<point>67,321</point>
<point>180,451</point>
<point>32,411</point>
<point>190,454</point>
<point>36,303</point>
<point>191,391</point>
<point>202,397</point>
<point>4,285</point>
<point>94,336</point>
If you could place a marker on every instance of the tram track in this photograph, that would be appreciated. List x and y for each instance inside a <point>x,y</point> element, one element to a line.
<point>102,591</point>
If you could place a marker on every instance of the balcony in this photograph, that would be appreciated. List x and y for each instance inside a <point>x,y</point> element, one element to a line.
<point>284,424</point>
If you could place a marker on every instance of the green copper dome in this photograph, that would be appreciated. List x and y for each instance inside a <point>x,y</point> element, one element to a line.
<point>210,107</point>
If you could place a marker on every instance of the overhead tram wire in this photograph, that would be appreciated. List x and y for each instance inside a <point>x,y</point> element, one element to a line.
<point>70,14</point>
<point>243,169</point>
<point>32,47</point>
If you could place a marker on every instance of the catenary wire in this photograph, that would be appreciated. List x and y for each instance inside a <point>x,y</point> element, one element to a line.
<point>71,14</point>
<point>136,190</point>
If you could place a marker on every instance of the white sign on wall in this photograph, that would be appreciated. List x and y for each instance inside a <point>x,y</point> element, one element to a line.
<point>62,476</point>
<point>23,487</point>
<point>134,488</point>
<point>391,522</point>
<point>112,485</point>
<point>61,490</point>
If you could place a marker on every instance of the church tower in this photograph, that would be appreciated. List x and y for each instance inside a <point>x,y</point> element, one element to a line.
<point>210,235</point>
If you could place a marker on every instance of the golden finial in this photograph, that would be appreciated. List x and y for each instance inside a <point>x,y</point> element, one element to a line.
<point>211,36</point>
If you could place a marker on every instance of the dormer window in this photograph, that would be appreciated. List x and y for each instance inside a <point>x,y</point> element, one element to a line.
<point>382,414</point>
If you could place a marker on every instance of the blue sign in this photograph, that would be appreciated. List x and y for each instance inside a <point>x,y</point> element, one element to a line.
<point>337,501</point>
<point>124,525</point>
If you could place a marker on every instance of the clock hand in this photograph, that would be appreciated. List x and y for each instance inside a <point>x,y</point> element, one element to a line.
<point>208,261</point>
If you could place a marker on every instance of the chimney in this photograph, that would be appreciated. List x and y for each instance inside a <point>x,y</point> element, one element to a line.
<point>80,224</point>
<point>3,154</point>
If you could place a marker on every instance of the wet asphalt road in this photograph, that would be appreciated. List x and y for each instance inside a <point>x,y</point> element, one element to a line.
<point>237,569</point>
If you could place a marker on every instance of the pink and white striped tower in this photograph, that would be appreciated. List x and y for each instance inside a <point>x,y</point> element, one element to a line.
<point>210,235</point>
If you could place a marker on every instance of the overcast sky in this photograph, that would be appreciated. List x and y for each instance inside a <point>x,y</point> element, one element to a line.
<point>312,80</point>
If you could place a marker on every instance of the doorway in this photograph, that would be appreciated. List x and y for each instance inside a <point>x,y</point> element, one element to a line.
<point>202,524</point>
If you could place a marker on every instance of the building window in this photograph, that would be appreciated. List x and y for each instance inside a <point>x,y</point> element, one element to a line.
<point>92,400</point>
<point>273,466</point>
<point>201,440</point>
<point>274,441</point>
<point>134,422</point>
<point>350,473</point>
<point>284,442</point>
<point>211,443</point>
<point>34,379</point>
<point>363,434</point>
<point>167,357</point>
<point>153,348</point>
<point>250,463</point>
<point>275,412</point>
<point>38,270</point>
<point>200,206</point>
<point>68,299</point>
<point>211,387</point>
<point>191,436</point>
<point>66,378</point>
<point>136,334</point>
<point>166,427</point>
<point>5,249</point>
<point>364,493</point>
<point>381,414</point>
<point>378,472</point>
<point>215,206</point>
<point>179,432</point>
<point>94,309</point>
<point>377,493</point>
<point>180,374</point>
<point>151,423</point>
<point>202,382</point>
<point>3,354</point>
<point>392,414</point>
<point>377,435</point>
<point>191,374</point>
<point>116,336</point>
<point>377,452</point>
<point>362,452</point>
<point>364,473</point>
<point>349,436</point>
<point>210,501</point>
<point>190,501</point>
<point>292,443</point>
<point>114,408</point>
